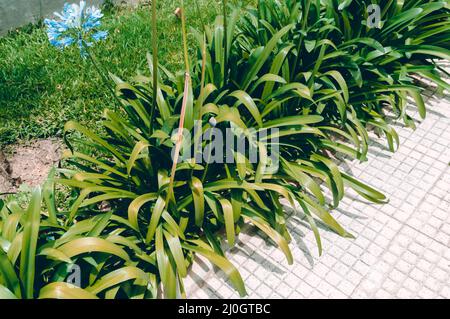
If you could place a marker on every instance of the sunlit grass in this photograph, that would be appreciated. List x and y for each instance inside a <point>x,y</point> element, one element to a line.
<point>41,88</point>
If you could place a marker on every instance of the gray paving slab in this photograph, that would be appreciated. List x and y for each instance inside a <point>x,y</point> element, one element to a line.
<point>401,249</point>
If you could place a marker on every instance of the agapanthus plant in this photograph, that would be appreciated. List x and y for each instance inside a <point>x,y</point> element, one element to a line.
<point>78,25</point>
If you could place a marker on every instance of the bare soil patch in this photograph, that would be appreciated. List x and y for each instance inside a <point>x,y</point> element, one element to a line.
<point>28,163</point>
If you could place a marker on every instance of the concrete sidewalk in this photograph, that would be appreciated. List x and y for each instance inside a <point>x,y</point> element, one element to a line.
<point>401,248</point>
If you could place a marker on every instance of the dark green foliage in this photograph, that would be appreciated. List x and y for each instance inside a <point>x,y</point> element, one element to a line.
<point>312,70</point>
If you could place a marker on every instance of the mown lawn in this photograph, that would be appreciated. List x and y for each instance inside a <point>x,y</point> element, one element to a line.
<point>41,87</point>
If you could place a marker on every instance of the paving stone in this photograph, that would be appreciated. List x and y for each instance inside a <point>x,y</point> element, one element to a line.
<point>401,249</point>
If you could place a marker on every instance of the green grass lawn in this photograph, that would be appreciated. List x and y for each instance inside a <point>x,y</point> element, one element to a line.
<point>41,87</point>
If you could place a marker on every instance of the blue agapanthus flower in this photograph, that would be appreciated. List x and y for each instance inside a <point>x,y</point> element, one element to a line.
<point>78,25</point>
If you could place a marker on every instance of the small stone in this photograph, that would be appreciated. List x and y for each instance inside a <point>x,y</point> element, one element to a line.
<point>213,121</point>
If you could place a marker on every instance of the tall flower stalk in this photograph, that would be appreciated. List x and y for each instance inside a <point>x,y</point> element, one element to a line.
<point>101,72</point>
<point>155,63</point>
<point>187,84</point>
<point>225,39</point>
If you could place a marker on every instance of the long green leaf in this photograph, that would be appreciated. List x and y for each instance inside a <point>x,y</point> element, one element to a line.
<point>29,244</point>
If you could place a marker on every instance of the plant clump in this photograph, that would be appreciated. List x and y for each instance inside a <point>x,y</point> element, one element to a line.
<point>315,77</point>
